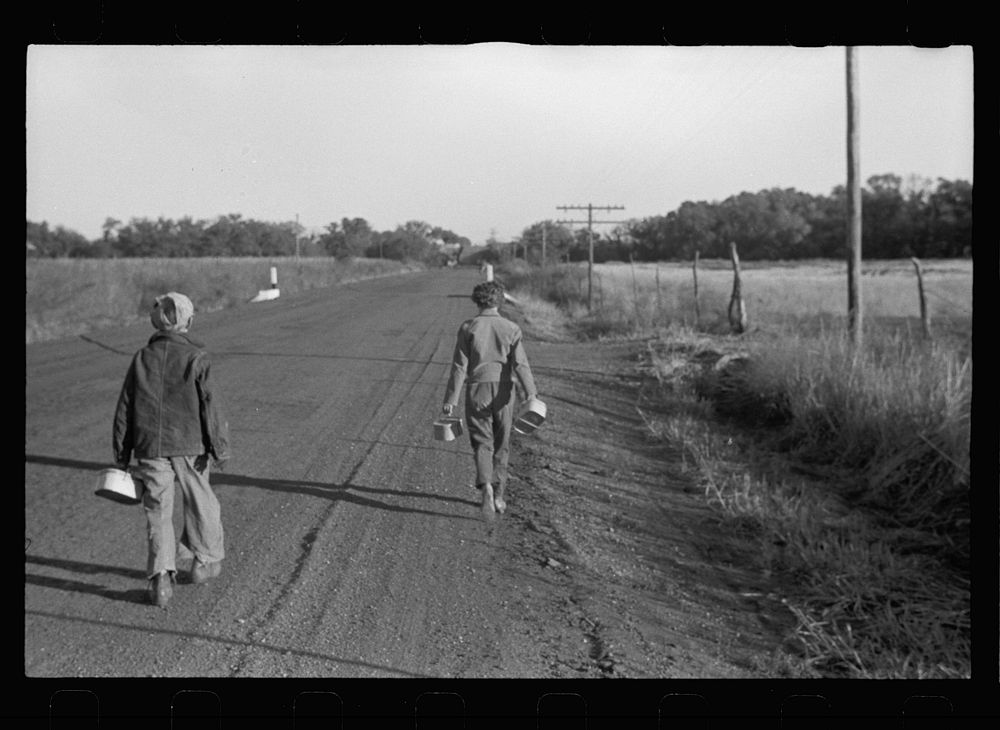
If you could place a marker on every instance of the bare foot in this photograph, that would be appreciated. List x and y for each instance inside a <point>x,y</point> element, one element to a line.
<point>498,501</point>
<point>488,508</point>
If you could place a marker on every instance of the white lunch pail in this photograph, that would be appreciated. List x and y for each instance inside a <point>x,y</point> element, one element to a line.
<point>118,486</point>
<point>530,417</point>
<point>448,429</point>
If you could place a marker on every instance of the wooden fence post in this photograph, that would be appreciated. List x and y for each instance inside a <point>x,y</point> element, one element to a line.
<point>697,307</point>
<point>659,299</point>
<point>737,308</point>
<point>925,320</point>
<point>635,291</point>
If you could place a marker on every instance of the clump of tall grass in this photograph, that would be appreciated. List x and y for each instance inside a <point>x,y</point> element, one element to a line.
<point>561,284</point>
<point>873,557</point>
<point>869,603</point>
<point>543,320</point>
<point>896,413</point>
<point>72,296</point>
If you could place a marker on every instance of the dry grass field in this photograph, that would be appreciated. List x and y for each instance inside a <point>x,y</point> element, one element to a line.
<point>65,297</point>
<point>804,296</point>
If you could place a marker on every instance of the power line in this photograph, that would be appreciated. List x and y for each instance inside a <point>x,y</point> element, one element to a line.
<point>590,208</point>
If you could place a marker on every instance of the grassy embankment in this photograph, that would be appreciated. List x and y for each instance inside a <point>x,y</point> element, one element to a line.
<point>847,472</point>
<point>65,297</point>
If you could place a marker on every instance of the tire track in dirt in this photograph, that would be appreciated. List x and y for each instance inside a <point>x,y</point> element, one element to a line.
<point>385,415</point>
<point>310,538</point>
<point>308,541</point>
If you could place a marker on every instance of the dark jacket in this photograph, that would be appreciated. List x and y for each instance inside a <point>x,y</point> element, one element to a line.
<point>168,404</point>
<point>488,349</point>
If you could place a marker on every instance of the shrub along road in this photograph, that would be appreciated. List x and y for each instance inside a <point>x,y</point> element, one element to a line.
<point>355,545</point>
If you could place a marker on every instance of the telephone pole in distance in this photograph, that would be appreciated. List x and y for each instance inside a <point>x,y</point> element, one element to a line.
<point>590,208</point>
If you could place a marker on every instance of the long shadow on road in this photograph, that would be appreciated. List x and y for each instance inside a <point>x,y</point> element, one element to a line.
<point>62,584</point>
<point>336,492</point>
<point>233,642</point>
<point>115,350</point>
<point>218,354</point>
<point>132,595</point>
<point>135,595</point>
<point>343,492</point>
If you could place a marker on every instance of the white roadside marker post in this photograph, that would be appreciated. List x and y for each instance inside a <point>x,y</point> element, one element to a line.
<point>273,293</point>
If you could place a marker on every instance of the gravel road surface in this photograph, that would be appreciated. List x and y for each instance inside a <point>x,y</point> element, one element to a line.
<point>355,544</point>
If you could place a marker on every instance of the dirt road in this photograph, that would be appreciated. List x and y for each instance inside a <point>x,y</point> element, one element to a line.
<point>355,547</point>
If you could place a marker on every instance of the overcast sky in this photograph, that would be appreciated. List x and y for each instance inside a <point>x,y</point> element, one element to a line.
<point>479,139</point>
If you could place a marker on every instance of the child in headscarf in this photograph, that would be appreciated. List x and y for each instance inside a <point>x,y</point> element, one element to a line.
<point>169,417</point>
<point>488,354</point>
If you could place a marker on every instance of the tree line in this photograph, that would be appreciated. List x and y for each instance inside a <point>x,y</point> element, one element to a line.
<point>234,236</point>
<point>900,218</point>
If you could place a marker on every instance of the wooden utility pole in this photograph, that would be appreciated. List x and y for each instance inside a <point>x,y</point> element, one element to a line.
<point>854,308</point>
<point>590,208</point>
<point>296,235</point>
<point>545,228</point>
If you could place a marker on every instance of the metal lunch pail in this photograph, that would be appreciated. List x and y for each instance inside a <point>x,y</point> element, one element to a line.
<point>530,417</point>
<point>448,428</point>
<point>118,486</point>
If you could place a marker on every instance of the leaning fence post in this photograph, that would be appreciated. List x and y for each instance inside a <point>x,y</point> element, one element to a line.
<point>737,308</point>
<point>925,320</point>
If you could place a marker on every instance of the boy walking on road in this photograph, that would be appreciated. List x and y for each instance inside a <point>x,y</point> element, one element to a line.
<point>169,416</point>
<point>488,353</point>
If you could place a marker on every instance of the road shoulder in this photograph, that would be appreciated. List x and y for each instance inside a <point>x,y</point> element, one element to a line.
<point>619,566</point>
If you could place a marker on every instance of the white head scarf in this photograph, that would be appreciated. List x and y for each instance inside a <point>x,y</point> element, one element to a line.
<point>172,312</point>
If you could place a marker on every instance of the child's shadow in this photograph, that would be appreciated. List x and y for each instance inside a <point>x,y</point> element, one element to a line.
<point>132,595</point>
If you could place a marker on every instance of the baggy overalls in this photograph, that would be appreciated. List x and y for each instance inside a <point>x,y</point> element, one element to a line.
<point>488,354</point>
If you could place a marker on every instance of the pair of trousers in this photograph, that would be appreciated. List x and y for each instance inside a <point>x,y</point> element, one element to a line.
<point>489,411</point>
<point>202,515</point>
